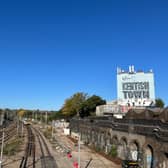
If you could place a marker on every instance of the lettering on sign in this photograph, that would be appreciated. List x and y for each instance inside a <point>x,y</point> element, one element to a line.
<point>137,90</point>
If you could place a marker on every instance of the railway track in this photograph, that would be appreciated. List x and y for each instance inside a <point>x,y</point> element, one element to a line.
<point>47,160</point>
<point>9,131</point>
<point>35,138</point>
<point>29,156</point>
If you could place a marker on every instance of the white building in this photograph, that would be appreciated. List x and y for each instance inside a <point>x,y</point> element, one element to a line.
<point>135,88</point>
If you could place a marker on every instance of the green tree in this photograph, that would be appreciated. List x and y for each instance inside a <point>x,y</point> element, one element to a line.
<point>55,115</point>
<point>89,106</point>
<point>72,105</point>
<point>159,103</point>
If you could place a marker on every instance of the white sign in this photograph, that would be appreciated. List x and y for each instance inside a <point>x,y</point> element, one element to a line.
<point>135,89</point>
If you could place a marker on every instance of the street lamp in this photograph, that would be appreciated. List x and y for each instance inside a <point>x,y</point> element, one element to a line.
<point>52,132</point>
<point>3,135</point>
<point>79,150</point>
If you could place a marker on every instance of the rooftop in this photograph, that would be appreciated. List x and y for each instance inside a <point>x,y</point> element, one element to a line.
<point>131,70</point>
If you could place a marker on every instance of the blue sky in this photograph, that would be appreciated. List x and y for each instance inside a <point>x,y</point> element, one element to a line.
<point>52,49</point>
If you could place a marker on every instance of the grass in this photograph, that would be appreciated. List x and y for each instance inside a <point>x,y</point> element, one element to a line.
<point>12,147</point>
<point>47,133</point>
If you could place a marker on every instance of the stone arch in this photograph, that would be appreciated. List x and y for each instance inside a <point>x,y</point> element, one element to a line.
<point>96,137</point>
<point>115,140</point>
<point>88,135</point>
<point>108,142</point>
<point>166,155</point>
<point>108,137</point>
<point>93,136</point>
<point>122,150</point>
<point>82,134</point>
<point>165,160</point>
<point>102,140</point>
<point>99,138</point>
<point>149,156</point>
<point>85,136</point>
<point>134,150</point>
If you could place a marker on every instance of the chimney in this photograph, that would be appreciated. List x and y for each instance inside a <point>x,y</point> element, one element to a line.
<point>129,69</point>
<point>133,69</point>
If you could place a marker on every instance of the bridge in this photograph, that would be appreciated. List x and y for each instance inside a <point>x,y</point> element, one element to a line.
<point>141,140</point>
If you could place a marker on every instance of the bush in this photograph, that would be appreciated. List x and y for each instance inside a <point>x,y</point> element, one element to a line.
<point>47,133</point>
<point>113,151</point>
<point>13,147</point>
<point>97,149</point>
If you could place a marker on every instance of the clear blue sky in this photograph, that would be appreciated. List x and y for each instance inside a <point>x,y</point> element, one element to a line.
<point>52,49</point>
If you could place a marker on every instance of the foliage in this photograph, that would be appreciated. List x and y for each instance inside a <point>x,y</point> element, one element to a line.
<point>159,103</point>
<point>72,105</point>
<point>55,115</point>
<point>113,151</point>
<point>21,113</point>
<point>80,103</point>
<point>47,133</point>
<point>89,106</point>
<point>97,149</point>
<point>13,147</point>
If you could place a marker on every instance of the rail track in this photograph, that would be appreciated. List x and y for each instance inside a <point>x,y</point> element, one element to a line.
<point>30,150</point>
<point>30,158</point>
<point>9,131</point>
<point>47,160</point>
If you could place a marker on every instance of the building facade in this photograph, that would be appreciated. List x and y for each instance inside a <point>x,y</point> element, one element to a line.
<point>135,88</point>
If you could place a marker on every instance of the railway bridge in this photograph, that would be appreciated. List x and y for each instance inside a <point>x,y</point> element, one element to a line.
<point>141,140</point>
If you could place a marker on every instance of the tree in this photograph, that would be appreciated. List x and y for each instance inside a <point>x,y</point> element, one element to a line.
<point>21,113</point>
<point>72,105</point>
<point>89,106</point>
<point>159,103</point>
<point>55,115</point>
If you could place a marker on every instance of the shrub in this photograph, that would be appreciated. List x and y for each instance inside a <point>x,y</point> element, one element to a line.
<point>113,151</point>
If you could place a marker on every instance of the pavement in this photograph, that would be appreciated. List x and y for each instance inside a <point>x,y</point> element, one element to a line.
<point>88,158</point>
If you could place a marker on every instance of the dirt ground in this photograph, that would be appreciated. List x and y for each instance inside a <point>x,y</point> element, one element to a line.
<point>59,146</point>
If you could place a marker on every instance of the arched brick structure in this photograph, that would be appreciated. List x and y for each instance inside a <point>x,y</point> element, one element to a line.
<point>123,148</point>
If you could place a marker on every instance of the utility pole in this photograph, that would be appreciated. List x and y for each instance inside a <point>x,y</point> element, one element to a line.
<point>3,135</point>
<point>17,126</point>
<point>46,117</point>
<point>41,117</point>
<point>33,115</point>
<point>22,129</point>
<point>36,115</point>
<point>79,151</point>
<point>52,133</point>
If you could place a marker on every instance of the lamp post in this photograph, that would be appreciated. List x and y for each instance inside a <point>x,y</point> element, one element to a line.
<point>79,150</point>
<point>52,133</point>
<point>3,135</point>
<point>22,129</point>
<point>18,126</point>
<point>36,116</point>
<point>46,117</point>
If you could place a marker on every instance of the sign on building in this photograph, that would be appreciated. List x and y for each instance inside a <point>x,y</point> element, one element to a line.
<point>135,88</point>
